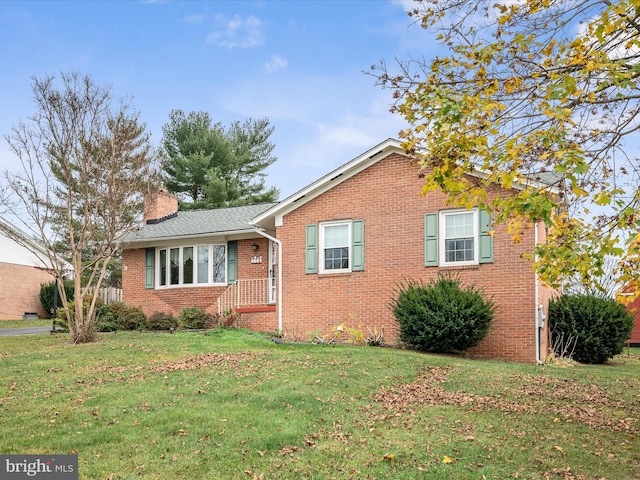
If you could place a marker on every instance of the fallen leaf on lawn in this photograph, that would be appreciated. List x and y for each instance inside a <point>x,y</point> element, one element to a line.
<point>558,449</point>
<point>389,456</point>
<point>447,459</point>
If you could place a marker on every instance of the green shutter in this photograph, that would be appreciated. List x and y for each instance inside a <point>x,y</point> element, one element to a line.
<point>311,265</point>
<point>232,262</point>
<point>149,258</point>
<point>431,240</point>
<point>357,245</point>
<point>485,241</point>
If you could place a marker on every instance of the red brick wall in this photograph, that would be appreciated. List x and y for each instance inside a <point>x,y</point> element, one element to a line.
<point>158,204</point>
<point>20,290</point>
<point>259,321</point>
<point>387,196</point>
<point>634,308</point>
<point>545,294</point>
<point>173,300</point>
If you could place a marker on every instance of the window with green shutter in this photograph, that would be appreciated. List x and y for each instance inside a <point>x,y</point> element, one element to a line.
<point>457,237</point>
<point>212,264</point>
<point>357,245</point>
<point>335,247</point>
<point>311,265</point>
<point>149,257</point>
<point>485,240</point>
<point>431,240</point>
<point>232,262</point>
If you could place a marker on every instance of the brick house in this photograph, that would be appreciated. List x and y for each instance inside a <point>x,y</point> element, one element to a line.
<point>22,271</point>
<point>628,296</point>
<point>634,308</point>
<point>333,253</point>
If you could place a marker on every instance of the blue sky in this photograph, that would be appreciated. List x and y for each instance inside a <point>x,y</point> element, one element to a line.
<point>298,63</point>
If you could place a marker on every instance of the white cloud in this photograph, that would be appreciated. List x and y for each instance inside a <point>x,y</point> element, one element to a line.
<point>276,63</point>
<point>321,148</point>
<point>321,121</point>
<point>237,32</point>
<point>407,5</point>
<point>333,143</point>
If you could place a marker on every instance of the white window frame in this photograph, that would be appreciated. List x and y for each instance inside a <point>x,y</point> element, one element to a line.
<point>442,223</point>
<point>321,245</point>
<point>194,282</point>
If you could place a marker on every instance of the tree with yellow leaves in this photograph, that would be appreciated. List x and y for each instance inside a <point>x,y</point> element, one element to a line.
<point>543,93</point>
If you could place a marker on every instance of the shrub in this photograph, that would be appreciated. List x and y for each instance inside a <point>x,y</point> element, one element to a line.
<point>441,316</point>
<point>47,294</point>
<point>374,338</point>
<point>60,322</point>
<point>356,335</point>
<point>194,318</point>
<point>124,317</point>
<point>161,321</point>
<point>61,318</point>
<point>228,318</point>
<point>600,326</point>
<point>105,319</point>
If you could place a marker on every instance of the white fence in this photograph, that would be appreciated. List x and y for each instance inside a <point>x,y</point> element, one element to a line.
<point>108,294</point>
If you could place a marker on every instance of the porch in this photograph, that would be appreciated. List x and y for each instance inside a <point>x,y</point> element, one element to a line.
<point>249,295</point>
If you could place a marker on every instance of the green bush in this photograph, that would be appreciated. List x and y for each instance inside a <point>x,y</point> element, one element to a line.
<point>441,316</point>
<point>599,326</point>
<point>123,316</point>
<point>105,319</point>
<point>47,293</point>
<point>60,322</point>
<point>61,318</point>
<point>194,318</point>
<point>161,321</point>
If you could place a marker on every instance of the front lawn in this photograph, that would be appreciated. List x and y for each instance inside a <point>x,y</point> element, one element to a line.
<point>231,404</point>
<point>36,322</point>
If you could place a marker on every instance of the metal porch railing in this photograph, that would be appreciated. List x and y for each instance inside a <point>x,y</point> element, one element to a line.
<point>244,293</point>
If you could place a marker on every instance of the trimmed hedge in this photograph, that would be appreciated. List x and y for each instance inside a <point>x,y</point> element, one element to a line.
<point>442,316</point>
<point>161,321</point>
<point>119,316</point>
<point>194,318</point>
<point>599,326</point>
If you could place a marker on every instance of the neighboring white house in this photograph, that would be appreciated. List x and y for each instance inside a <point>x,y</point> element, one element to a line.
<point>22,271</point>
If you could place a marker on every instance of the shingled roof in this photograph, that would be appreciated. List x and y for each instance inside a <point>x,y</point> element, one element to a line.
<point>199,223</point>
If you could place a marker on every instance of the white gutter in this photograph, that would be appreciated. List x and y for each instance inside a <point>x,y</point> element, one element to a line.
<point>279,301</point>
<point>537,311</point>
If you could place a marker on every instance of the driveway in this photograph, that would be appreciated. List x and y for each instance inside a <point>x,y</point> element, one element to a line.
<point>10,332</point>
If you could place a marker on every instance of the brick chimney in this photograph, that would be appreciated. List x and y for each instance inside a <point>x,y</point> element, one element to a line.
<point>159,204</point>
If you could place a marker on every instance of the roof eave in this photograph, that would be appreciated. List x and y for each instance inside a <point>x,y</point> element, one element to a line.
<point>142,242</point>
<point>337,176</point>
<point>34,247</point>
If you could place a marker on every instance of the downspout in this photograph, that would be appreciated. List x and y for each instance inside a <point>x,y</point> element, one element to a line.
<point>537,311</point>
<point>279,243</point>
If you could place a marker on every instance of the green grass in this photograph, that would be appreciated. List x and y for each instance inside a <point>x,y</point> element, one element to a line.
<point>232,404</point>
<point>25,323</point>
